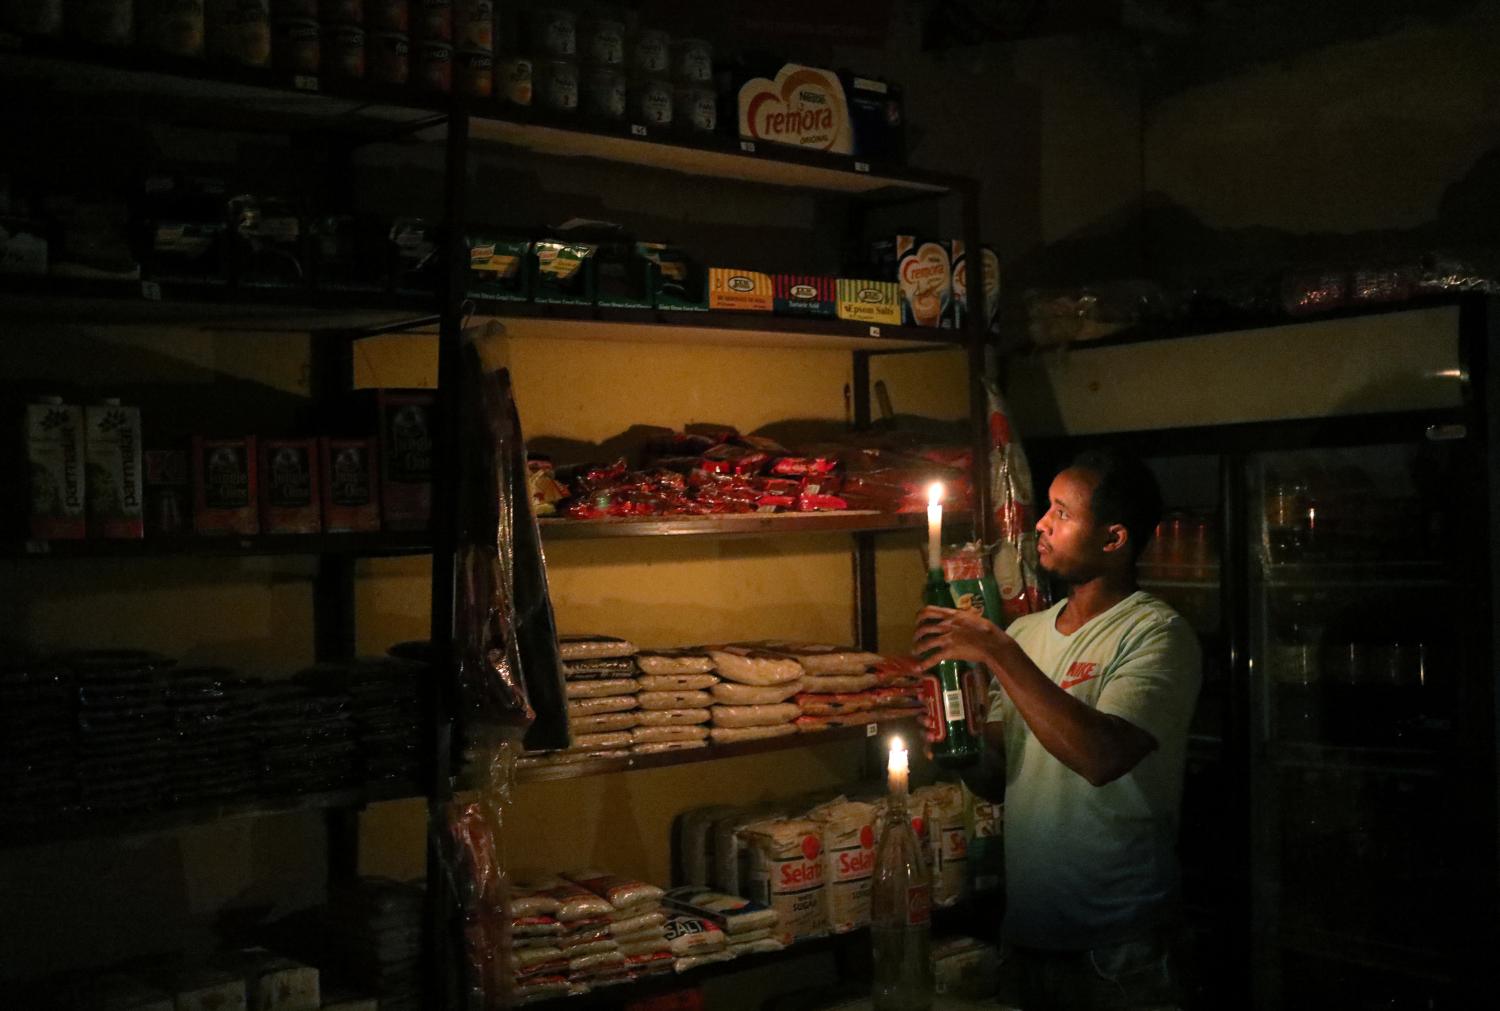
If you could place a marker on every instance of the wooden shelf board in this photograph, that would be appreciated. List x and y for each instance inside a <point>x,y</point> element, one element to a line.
<point>734,525</point>
<point>713,752</point>
<point>366,545</point>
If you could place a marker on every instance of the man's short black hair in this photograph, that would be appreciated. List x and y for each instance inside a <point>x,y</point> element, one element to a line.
<point>1127,493</point>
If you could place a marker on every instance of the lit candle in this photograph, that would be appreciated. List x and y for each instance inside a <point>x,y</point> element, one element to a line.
<point>897,769</point>
<point>935,526</point>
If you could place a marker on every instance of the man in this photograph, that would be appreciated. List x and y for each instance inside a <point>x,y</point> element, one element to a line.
<point>1089,711</point>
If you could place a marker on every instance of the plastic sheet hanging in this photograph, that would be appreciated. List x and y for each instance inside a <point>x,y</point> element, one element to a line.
<point>1017,571</point>
<point>505,636</point>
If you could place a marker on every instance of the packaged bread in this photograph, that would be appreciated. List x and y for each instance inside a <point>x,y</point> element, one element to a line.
<point>819,659</point>
<point>603,722</point>
<point>670,717</point>
<point>733,694</point>
<point>665,747</point>
<point>574,903</point>
<point>830,684</point>
<point>606,704</point>
<point>674,661</point>
<point>593,647</point>
<point>668,735</point>
<point>833,704</point>
<point>601,742</point>
<point>754,666</point>
<point>736,735</point>
<point>621,929</point>
<point>603,667</point>
<point>755,716</point>
<point>621,892</point>
<point>601,688</point>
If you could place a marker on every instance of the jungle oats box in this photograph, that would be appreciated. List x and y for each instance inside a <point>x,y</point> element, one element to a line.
<point>224,486</point>
<point>289,500</point>
<point>350,485</point>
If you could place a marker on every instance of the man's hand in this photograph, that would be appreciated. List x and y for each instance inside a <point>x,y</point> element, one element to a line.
<point>945,633</point>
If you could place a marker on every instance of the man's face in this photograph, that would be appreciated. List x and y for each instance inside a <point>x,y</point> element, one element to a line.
<point>1072,544</point>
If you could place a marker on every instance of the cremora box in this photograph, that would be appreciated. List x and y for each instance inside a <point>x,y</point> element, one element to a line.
<point>564,272</point>
<point>805,295</point>
<point>959,310</point>
<point>677,279</point>
<point>289,499</point>
<point>402,421</point>
<point>924,273</point>
<point>53,433</point>
<point>224,486</point>
<point>350,485</point>
<point>500,267</point>
<point>798,106</point>
<point>112,482</point>
<point>875,302</point>
<point>742,290</point>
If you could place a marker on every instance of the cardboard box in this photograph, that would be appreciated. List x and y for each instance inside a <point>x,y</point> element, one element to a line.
<point>925,275</point>
<point>113,486</point>
<point>875,302</point>
<point>677,280</point>
<point>53,434</point>
<point>168,491</point>
<point>741,290</point>
<point>404,427</point>
<point>350,485</point>
<point>289,499</point>
<point>564,272</point>
<point>348,253</point>
<point>806,295</point>
<point>224,486</point>
<point>877,111</point>
<point>959,312</point>
<point>800,106</point>
<point>413,246</point>
<point>500,268</point>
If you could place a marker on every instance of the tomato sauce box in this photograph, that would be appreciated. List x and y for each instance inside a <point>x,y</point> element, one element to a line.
<point>55,461</point>
<point>289,500</point>
<point>876,302</point>
<point>805,295</point>
<point>224,486</point>
<point>350,485</point>
<point>742,290</point>
<point>113,491</point>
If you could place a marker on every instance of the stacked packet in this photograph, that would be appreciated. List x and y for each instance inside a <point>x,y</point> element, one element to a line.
<point>560,941</point>
<point>748,927</point>
<point>674,700</point>
<point>601,690</point>
<point>637,924</point>
<point>753,699</point>
<point>847,686</point>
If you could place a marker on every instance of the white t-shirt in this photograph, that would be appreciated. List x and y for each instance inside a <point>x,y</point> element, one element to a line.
<point>1086,865</point>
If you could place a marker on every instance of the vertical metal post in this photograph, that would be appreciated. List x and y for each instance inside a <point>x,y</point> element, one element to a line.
<point>976,336</point>
<point>866,624</point>
<point>1249,798</point>
<point>441,936</point>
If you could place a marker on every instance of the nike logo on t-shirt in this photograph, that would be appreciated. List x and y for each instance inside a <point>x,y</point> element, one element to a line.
<point>1077,674</point>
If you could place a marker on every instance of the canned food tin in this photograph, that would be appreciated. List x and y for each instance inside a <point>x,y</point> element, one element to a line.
<point>433,20</point>
<point>172,26</point>
<point>692,61</point>
<point>515,80</point>
<point>434,66</point>
<point>101,22</point>
<point>388,16</point>
<point>389,58</point>
<point>344,52</point>
<point>604,93</point>
<point>239,31</point>
<point>295,46</point>
<point>695,108</point>
<point>474,26</point>
<point>604,43</point>
<point>651,103</point>
<point>554,32</point>
<point>341,12</point>
<point>557,85</point>
<point>475,73</point>
<point>652,55</point>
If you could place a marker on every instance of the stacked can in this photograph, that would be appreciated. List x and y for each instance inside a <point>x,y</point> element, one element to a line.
<point>296,39</point>
<point>553,42</point>
<point>388,48</point>
<point>651,78</point>
<point>474,47</point>
<point>238,32</point>
<point>344,39</point>
<point>695,106</point>
<point>602,47</point>
<point>432,44</point>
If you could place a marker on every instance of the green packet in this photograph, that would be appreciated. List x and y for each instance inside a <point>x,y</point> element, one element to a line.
<point>970,583</point>
<point>564,272</point>
<point>499,268</point>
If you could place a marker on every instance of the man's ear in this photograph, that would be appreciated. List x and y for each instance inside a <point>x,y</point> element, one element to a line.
<point>1116,537</point>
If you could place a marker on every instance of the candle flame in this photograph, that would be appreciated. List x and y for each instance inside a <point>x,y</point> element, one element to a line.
<point>897,745</point>
<point>935,493</point>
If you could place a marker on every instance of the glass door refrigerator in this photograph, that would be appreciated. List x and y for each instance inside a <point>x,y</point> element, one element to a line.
<point>1330,532</point>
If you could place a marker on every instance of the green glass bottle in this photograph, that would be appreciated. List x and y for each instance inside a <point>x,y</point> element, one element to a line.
<point>954,696</point>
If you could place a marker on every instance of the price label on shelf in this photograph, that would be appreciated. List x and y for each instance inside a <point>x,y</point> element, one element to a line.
<point>747,146</point>
<point>871,728</point>
<point>151,291</point>
<point>861,166</point>
<point>303,82</point>
<point>874,331</point>
<point>636,130</point>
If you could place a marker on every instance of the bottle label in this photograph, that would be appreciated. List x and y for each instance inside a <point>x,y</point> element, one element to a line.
<point>953,703</point>
<point>933,704</point>
<point>918,905</point>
